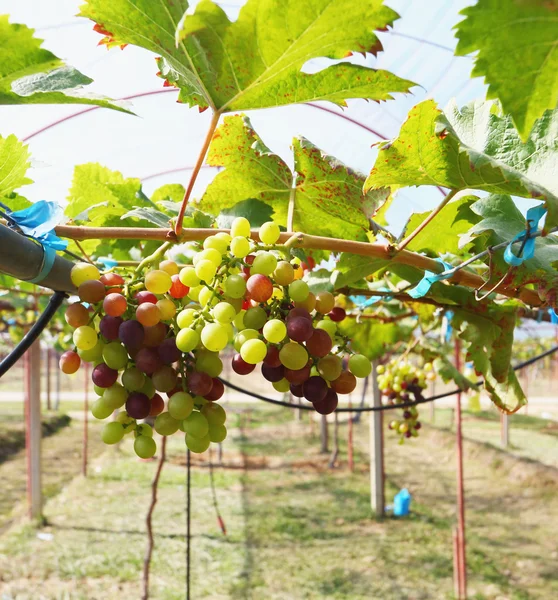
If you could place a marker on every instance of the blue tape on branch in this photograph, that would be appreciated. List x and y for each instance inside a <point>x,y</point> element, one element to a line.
<point>109,263</point>
<point>39,220</point>
<point>553,316</point>
<point>424,285</point>
<point>364,301</point>
<point>49,254</point>
<point>534,215</point>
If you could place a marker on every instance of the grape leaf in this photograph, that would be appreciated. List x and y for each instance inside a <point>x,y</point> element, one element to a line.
<point>508,33</point>
<point>256,211</point>
<point>169,192</point>
<point>30,74</point>
<point>447,371</point>
<point>15,202</point>
<point>442,233</point>
<point>149,214</point>
<point>319,281</point>
<point>14,162</point>
<point>473,148</point>
<point>256,61</point>
<point>351,268</point>
<point>328,198</point>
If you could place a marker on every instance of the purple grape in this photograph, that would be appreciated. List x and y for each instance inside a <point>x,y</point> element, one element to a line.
<point>131,334</point>
<point>273,373</point>
<point>408,434</point>
<point>104,376</point>
<point>407,414</point>
<point>315,389</point>
<point>299,329</point>
<point>299,312</point>
<point>296,390</point>
<point>109,327</point>
<point>148,361</point>
<point>168,352</point>
<point>418,425</point>
<point>328,404</point>
<point>200,383</point>
<point>138,405</point>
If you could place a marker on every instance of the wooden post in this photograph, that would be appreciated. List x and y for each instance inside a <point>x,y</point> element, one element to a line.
<point>48,361</point>
<point>33,429</point>
<point>461,541</point>
<point>324,435</point>
<point>350,453</point>
<point>504,430</point>
<point>85,418</point>
<point>58,382</point>
<point>377,492</point>
<point>431,404</point>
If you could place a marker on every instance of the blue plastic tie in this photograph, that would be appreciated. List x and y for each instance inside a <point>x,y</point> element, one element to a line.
<point>449,316</point>
<point>39,220</point>
<point>364,301</point>
<point>109,263</point>
<point>553,316</point>
<point>534,215</point>
<point>429,278</point>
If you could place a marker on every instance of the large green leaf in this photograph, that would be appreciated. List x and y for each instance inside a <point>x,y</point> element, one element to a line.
<point>30,74</point>
<point>516,43</point>
<point>256,211</point>
<point>256,61</point>
<point>472,148</point>
<point>328,198</point>
<point>14,162</point>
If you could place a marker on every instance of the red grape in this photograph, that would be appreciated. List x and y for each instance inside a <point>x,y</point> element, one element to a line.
<point>69,362</point>
<point>320,343</point>
<point>115,305</point>
<point>273,373</point>
<point>259,288</point>
<point>164,378</point>
<point>217,390</point>
<point>272,356</point>
<point>297,377</point>
<point>76,315</point>
<point>328,404</point>
<point>296,390</point>
<point>148,361</point>
<point>240,366</point>
<point>299,329</point>
<point>337,314</point>
<point>148,314</point>
<point>91,291</point>
<point>104,376</point>
<point>109,327</point>
<point>112,279</point>
<point>345,383</point>
<point>155,335</point>
<point>145,296</point>
<point>157,406</point>
<point>299,312</point>
<point>200,383</point>
<point>131,334</point>
<point>168,352</point>
<point>315,389</point>
<point>178,289</point>
<point>138,405</point>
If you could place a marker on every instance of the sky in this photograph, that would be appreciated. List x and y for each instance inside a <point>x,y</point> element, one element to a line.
<point>166,136</point>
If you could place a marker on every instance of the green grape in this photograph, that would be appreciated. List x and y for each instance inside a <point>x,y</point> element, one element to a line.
<point>282,385</point>
<point>181,405</point>
<point>216,243</point>
<point>284,273</point>
<point>194,293</point>
<point>299,290</point>
<point>327,325</point>
<point>200,401</point>
<point>85,337</point>
<point>165,424</point>
<point>196,425</point>
<point>235,286</point>
<point>205,270</point>
<point>215,336</point>
<point>208,362</point>
<point>214,413</point>
<point>158,281</point>
<point>330,367</point>
<point>255,318</point>
<point>223,235</point>
<point>100,409</point>
<point>145,447</point>
<point>167,308</point>
<point>211,255</point>
<point>115,355</point>
<point>224,313</point>
<point>187,339</point>
<point>164,379</point>
<point>380,369</point>
<point>243,336</point>
<point>115,396</point>
<point>93,354</point>
<point>274,331</point>
<point>98,390</point>
<point>148,388</point>
<point>186,317</point>
<point>359,365</point>
<point>269,232</point>
<point>217,433</point>
<point>123,418</point>
<point>293,356</point>
<point>207,297</point>
<point>239,320</point>
<point>253,351</point>
<point>145,429</point>
<point>197,445</point>
<point>188,277</point>
<point>264,264</point>
<point>240,227</point>
<point>82,272</point>
<point>240,247</point>
<point>112,433</point>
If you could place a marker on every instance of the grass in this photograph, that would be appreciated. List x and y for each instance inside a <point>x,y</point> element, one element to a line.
<point>296,529</point>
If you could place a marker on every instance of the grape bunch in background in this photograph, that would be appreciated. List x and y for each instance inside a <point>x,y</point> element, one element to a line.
<point>159,331</point>
<point>401,382</point>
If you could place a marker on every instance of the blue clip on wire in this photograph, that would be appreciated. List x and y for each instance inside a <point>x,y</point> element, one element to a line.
<point>534,215</point>
<point>429,278</point>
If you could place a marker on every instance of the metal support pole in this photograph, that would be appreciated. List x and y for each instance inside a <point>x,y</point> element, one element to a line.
<point>324,437</point>
<point>377,492</point>
<point>350,452</point>
<point>504,430</point>
<point>461,540</point>
<point>58,382</point>
<point>48,361</point>
<point>33,429</point>
<point>85,418</point>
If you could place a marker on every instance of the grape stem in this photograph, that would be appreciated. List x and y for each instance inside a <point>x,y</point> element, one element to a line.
<point>195,171</point>
<point>159,253</point>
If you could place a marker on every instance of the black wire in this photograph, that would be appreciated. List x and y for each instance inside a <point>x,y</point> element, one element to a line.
<point>53,305</point>
<point>408,404</point>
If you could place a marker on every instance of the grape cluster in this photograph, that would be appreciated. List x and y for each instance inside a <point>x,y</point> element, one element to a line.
<point>160,331</point>
<point>401,382</point>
